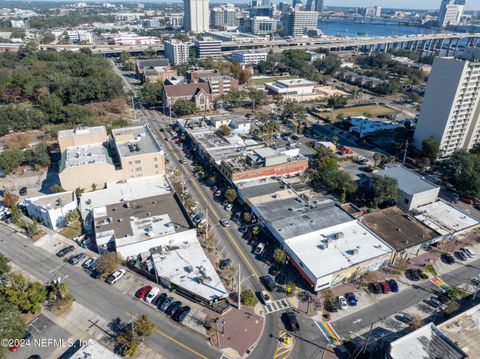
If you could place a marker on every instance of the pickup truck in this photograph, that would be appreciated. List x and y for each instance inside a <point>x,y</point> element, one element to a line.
<point>292,321</point>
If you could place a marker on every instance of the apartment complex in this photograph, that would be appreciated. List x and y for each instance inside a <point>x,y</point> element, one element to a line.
<point>90,159</point>
<point>451,110</point>
<point>196,17</point>
<point>296,22</point>
<point>208,48</point>
<point>249,57</point>
<point>177,51</point>
<point>224,17</point>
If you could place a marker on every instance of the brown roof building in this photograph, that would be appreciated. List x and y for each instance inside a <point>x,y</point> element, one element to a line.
<point>199,93</point>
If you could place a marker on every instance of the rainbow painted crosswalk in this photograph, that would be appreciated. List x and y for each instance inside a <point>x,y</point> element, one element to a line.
<point>329,333</point>
<point>440,283</point>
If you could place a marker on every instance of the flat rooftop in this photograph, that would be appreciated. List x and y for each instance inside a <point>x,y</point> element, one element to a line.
<point>84,155</point>
<point>426,342</point>
<point>133,141</point>
<point>293,217</point>
<point>408,181</point>
<point>399,229</point>
<point>185,264</point>
<point>444,218</point>
<point>55,200</point>
<point>81,131</point>
<point>93,349</point>
<point>128,190</point>
<point>464,330</point>
<point>141,219</point>
<point>354,244</point>
<point>292,83</point>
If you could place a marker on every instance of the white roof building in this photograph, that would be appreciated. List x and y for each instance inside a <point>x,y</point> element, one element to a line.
<point>296,87</point>
<point>51,209</point>
<point>93,349</point>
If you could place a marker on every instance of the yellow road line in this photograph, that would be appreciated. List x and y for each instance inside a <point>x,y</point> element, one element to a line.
<point>282,351</point>
<point>184,346</point>
<point>215,213</point>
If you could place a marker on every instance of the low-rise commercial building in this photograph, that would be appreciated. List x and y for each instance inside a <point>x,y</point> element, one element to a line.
<point>89,159</point>
<point>413,189</point>
<point>263,25</point>
<point>219,84</point>
<point>363,126</point>
<point>51,209</point>
<point>249,57</point>
<point>157,74</point>
<point>208,48</point>
<point>296,87</point>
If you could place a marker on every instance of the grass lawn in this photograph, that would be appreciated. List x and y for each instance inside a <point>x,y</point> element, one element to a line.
<point>72,230</point>
<point>259,82</point>
<point>374,110</point>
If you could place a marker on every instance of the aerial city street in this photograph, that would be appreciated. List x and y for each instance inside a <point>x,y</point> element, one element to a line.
<point>257,179</point>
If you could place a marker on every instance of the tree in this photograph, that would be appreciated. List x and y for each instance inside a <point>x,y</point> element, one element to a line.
<point>56,188</point>
<point>184,107</point>
<point>26,296</point>
<point>248,298</point>
<point>151,92</point>
<point>72,216</point>
<point>47,37</point>
<point>377,158</point>
<point>224,130</point>
<point>108,263</point>
<point>32,228</point>
<point>292,109</point>
<point>231,195</point>
<point>12,325</point>
<point>144,327</point>
<point>462,169</point>
<point>4,265</point>
<point>10,199</point>
<point>244,77</point>
<point>126,60</point>
<point>258,97</point>
<point>431,148</point>
<point>39,156</point>
<point>280,256</point>
<point>382,189</point>
<point>336,102</point>
<point>10,160</point>
<point>344,185</point>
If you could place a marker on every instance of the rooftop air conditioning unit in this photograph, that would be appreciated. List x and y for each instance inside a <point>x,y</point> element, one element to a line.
<point>323,245</point>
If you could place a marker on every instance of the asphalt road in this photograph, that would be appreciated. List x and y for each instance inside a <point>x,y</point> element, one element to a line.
<point>170,339</point>
<point>402,300</point>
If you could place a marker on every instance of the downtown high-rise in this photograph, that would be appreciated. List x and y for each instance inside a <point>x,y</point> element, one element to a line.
<point>197,16</point>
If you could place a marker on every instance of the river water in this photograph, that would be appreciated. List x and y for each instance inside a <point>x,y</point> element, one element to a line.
<point>351,29</point>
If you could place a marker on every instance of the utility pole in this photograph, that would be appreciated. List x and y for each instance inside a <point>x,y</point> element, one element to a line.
<point>239,288</point>
<point>405,153</point>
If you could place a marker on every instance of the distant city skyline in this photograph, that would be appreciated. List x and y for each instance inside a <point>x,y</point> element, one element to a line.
<point>404,4</point>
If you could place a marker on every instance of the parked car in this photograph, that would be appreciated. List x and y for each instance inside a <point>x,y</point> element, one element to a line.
<point>242,229</point>
<point>62,252</point>
<point>236,217</point>
<point>468,200</point>
<point>393,285</point>
<point>96,274</point>
<point>269,283</point>
<point>151,294</point>
<point>405,318</point>
<point>468,251</point>
<point>434,302</point>
<point>292,321</point>
<point>259,248</point>
<point>351,299</point>
<point>173,308</point>
<point>76,258</point>
<point>281,278</point>
<point>166,303</point>
<point>224,222</point>
<point>194,206</point>
<point>460,255</point>
<point>218,193</point>
<point>181,314</point>
<point>447,258</point>
<point>228,207</point>
<point>331,306</point>
<point>273,270</point>
<point>225,263</point>
<point>90,263</point>
<point>476,280</point>
<point>158,300</point>
<point>385,287</point>
<point>374,288</point>
<point>444,298</point>
<point>198,218</point>
<point>266,299</point>
<point>142,292</point>
<point>115,276</point>
<point>412,274</point>
<point>23,191</point>
<point>342,302</point>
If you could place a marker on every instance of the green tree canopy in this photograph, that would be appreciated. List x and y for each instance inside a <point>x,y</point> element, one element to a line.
<point>151,92</point>
<point>431,148</point>
<point>382,189</point>
<point>231,195</point>
<point>462,169</point>
<point>184,107</point>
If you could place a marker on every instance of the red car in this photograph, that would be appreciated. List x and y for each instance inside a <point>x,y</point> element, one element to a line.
<point>467,200</point>
<point>142,292</point>
<point>385,287</point>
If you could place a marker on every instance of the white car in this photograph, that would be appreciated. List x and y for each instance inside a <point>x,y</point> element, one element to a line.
<point>342,302</point>
<point>152,294</point>
<point>115,276</point>
<point>260,248</point>
<point>228,207</point>
<point>194,206</point>
<point>265,297</point>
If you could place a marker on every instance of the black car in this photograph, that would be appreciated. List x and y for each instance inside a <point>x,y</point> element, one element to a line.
<point>181,314</point>
<point>412,274</point>
<point>460,255</point>
<point>23,191</point>
<point>444,298</point>
<point>447,258</point>
<point>96,274</point>
<point>269,283</point>
<point>172,309</point>
<point>158,300</point>
<point>374,288</point>
<point>281,278</point>
<point>331,306</point>
<point>273,270</point>
<point>292,321</point>
<point>225,263</point>
<point>62,252</point>
<point>166,303</point>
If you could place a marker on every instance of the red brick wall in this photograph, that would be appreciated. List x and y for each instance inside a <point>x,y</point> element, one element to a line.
<point>283,169</point>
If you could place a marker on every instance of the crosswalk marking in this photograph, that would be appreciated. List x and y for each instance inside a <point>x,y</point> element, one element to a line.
<point>276,306</point>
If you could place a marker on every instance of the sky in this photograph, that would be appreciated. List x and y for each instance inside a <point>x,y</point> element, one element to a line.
<point>405,4</point>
